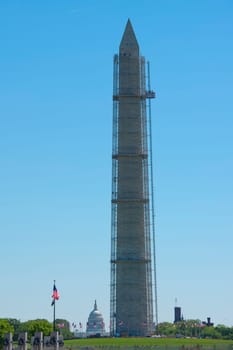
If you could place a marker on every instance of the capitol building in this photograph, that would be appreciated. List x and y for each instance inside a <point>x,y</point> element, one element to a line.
<point>95,323</point>
<point>95,326</point>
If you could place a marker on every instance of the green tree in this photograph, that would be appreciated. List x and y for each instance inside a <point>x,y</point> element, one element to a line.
<point>167,329</point>
<point>226,332</point>
<point>16,324</point>
<point>5,327</point>
<point>192,328</point>
<point>39,325</point>
<point>211,332</point>
<point>63,326</point>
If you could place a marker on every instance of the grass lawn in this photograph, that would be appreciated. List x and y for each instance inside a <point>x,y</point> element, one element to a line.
<point>151,342</point>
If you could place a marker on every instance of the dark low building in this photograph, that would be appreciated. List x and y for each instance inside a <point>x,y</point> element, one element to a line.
<point>177,314</point>
<point>208,323</point>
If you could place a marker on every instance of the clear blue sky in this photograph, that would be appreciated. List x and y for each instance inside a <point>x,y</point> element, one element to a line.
<point>55,153</point>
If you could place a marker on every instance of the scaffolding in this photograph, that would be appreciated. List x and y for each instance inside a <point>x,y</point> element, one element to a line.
<point>133,263</point>
<point>114,198</point>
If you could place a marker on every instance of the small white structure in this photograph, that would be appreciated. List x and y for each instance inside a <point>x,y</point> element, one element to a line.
<point>95,324</point>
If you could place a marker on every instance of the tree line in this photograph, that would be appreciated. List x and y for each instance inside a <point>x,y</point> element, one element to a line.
<point>194,329</point>
<point>187,328</point>
<point>14,326</point>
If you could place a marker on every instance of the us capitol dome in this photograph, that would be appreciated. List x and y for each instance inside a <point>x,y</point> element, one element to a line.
<point>95,324</point>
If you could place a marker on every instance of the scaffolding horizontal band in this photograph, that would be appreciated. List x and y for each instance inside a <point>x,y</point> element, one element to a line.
<point>118,97</point>
<point>148,94</point>
<point>130,155</point>
<point>133,200</point>
<point>130,261</point>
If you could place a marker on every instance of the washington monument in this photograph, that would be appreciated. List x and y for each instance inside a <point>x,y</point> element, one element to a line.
<point>133,295</point>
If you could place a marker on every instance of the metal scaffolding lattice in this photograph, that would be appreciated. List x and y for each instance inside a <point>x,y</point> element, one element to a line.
<point>133,288</point>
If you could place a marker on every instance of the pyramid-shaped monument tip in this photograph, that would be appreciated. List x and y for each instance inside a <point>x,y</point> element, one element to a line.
<point>129,44</point>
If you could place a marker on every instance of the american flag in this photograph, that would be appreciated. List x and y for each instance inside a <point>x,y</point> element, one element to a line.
<point>61,325</point>
<point>55,294</point>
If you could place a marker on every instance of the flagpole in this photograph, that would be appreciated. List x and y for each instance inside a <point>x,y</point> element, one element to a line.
<point>54,310</point>
<point>54,318</point>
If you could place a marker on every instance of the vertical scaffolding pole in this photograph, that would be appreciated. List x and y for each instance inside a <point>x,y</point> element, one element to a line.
<point>152,95</point>
<point>146,190</point>
<point>114,197</point>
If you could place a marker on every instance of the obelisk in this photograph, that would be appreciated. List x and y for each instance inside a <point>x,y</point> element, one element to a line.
<point>131,303</point>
